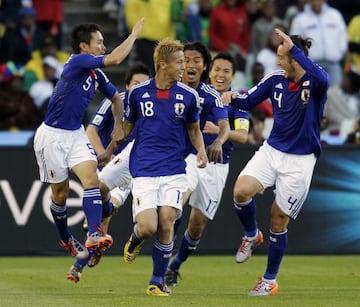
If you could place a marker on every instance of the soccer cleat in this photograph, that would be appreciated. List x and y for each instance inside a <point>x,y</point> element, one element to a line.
<point>245,250</point>
<point>74,273</point>
<point>264,288</point>
<point>158,290</point>
<point>131,249</point>
<point>75,248</point>
<point>98,240</point>
<point>171,277</point>
<point>96,257</point>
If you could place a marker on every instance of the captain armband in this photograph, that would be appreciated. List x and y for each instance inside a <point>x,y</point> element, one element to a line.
<point>241,123</point>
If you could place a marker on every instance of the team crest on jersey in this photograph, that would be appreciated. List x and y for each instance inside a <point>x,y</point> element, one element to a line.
<point>179,109</point>
<point>305,96</point>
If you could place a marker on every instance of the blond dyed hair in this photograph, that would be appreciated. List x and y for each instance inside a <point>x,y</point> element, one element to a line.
<point>165,49</point>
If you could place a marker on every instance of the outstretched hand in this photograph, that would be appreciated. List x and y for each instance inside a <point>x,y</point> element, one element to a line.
<point>285,39</point>
<point>137,28</point>
<point>227,97</point>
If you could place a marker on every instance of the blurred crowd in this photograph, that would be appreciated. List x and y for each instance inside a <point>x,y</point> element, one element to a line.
<point>32,54</point>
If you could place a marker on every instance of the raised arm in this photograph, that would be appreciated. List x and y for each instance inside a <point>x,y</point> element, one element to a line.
<point>122,51</point>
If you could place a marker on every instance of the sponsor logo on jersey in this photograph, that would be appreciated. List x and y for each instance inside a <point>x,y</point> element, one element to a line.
<point>279,86</point>
<point>145,95</point>
<point>306,83</point>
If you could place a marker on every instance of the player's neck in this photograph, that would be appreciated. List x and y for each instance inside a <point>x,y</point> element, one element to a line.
<point>298,74</point>
<point>192,84</point>
<point>163,83</point>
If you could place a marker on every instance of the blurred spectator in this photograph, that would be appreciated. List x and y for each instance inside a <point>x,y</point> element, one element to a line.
<point>326,27</point>
<point>253,10</point>
<point>159,24</point>
<point>229,30</point>
<point>34,69</point>
<point>257,72</point>
<point>257,127</point>
<point>353,136</point>
<point>41,90</point>
<point>353,57</point>
<point>348,8</point>
<point>112,8</point>
<point>343,103</point>
<point>50,18</point>
<point>18,111</point>
<point>18,43</point>
<point>268,55</point>
<point>193,21</point>
<point>205,9</point>
<point>292,11</point>
<point>263,26</point>
<point>9,10</point>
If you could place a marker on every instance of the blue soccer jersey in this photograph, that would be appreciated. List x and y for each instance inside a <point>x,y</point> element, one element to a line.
<point>212,109</point>
<point>75,89</point>
<point>234,114</point>
<point>103,120</point>
<point>297,106</point>
<point>161,117</point>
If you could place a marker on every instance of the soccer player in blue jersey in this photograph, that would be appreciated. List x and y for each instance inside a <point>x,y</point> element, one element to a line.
<point>287,158</point>
<point>206,185</point>
<point>99,133</point>
<point>166,113</point>
<point>61,143</point>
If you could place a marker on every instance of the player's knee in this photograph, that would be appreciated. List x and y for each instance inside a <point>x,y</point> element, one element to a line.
<point>147,230</point>
<point>240,194</point>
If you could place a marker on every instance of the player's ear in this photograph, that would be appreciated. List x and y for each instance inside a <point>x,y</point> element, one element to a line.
<point>162,64</point>
<point>83,46</point>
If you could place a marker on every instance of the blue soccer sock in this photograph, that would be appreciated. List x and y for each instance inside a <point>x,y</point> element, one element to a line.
<point>92,206</point>
<point>277,247</point>
<point>187,247</point>
<point>160,255</point>
<point>246,213</point>
<point>135,235</point>
<point>83,262</point>
<point>107,207</point>
<point>59,214</point>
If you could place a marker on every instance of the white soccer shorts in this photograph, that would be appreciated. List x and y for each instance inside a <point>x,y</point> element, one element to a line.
<point>206,185</point>
<point>58,150</point>
<point>290,173</point>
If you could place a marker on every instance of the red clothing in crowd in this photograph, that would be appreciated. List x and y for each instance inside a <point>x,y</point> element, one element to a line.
<point>49,11</point>
<point>229,26</point>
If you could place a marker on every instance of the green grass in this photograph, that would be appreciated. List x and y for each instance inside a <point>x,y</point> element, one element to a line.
<point>206,281</point>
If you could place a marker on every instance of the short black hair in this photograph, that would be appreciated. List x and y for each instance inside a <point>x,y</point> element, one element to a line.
<point>81,33</point>
<point>200,47</point>
<point>136,68</point>
<point>225,56</point>
<point>301,43</point>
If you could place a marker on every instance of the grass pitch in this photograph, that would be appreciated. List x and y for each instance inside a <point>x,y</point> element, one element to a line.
<point>206,281</point>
